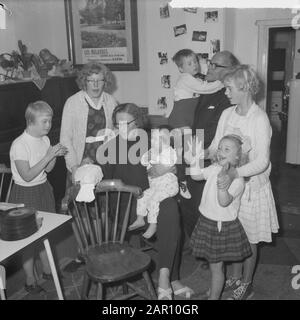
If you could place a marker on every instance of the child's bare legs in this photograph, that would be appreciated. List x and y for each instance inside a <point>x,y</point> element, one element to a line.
<point>139,222</point>
<point>150,231</point>
<point>28,265</point>
<point>245,270</point>
<point>45,262</point>
<point>217,280</point>
<point>164,278</point>
<point>249,265</point>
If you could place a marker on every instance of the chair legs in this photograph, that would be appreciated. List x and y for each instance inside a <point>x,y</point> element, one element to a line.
<point>125,288</point>
<point>99,291</point>
<point>85,287</point>
<point>149,285</point>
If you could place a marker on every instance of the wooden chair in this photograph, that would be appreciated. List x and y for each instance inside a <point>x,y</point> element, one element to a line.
<point>108,259</point>
<point>6,182</point>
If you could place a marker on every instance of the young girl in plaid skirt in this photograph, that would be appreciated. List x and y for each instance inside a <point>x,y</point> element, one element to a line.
<point>257,212</point>
<point>218,235</point>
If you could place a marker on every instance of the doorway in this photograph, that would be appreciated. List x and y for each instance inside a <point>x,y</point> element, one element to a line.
<point>277,64</point>
<point>281,53</point>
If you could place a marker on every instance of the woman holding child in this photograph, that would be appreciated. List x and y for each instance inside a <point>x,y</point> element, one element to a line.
<point>257,212</point>
<point>127,119</point>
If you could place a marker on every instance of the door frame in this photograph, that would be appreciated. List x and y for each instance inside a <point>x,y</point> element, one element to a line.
<point>263,50</point>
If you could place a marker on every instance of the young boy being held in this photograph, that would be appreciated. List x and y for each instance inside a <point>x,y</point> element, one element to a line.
<point>31,158</point>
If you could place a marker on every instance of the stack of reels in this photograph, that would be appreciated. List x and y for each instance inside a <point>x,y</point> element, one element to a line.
<point>17,224</point>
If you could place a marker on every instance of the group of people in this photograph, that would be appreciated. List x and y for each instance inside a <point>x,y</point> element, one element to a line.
<point>225,218</point>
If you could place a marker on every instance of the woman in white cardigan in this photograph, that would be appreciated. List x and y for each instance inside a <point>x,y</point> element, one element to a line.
<point>257,211</point>
<point>87,116</point>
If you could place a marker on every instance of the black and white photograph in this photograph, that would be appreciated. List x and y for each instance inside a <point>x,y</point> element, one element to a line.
<point>106,32</point>
<point>166,81</point>
<point>190,10</point>
<point>163,57</point>
<point>164,11</point>
<point>215,45</point>
<point>107,109</point>
<point>180,30</point>
<point>202,55</point>
<point>199,36</point>
<point>210,16</point>
<point>162,103</point>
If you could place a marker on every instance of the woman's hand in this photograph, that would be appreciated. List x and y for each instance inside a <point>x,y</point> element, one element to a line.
<point>158,170</point>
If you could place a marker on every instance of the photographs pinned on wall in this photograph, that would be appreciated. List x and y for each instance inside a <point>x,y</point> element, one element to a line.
<point>190,10</point>
<point>203,59</point>
<point>202,55</point>
<point>180,30</point>
<point>162,103</point>
<point>164,11</point>
<point>214,46</point>
<point>163,57</point>
<point>166,81</point>
<point>210,16</point>
<point>199,36</point>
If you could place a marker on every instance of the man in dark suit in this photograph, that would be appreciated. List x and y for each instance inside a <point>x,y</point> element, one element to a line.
<point>207,114</point>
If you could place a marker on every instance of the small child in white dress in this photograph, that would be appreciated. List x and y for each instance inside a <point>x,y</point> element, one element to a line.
<point>162,187</point>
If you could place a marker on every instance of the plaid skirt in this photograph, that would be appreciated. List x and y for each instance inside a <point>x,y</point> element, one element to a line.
<point>230,244</point>
<point>39,197</point>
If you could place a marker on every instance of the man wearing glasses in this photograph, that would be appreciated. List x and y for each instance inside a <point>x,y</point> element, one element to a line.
<point>207,114</point>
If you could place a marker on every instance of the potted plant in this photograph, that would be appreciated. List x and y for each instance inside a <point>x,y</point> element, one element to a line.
<point>24,59</point>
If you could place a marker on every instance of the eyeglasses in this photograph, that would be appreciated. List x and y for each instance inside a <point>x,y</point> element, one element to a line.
<point>95,81</point>
<point>117,125</point>
<point>214,65</point>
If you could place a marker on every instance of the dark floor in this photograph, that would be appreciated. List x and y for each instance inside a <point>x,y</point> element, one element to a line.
<point>273,277</point>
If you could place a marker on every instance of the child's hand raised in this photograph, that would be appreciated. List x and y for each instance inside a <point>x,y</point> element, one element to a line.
<point>225,177</point>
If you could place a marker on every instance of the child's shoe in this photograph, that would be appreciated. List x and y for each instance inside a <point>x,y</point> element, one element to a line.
<point>34,288</point>
<point>231,284</point>
<point>243,292</point>
<point>184,191</point>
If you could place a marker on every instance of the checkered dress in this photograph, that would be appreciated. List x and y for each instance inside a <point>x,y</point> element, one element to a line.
<point>39,197</point>
<point>230,244</point>
<point>258,214</point>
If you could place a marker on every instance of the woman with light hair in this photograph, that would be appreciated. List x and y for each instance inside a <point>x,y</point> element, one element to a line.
<point>257,211</point>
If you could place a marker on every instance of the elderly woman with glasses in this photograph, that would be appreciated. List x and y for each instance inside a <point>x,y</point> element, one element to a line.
<point>86,116</point>
<point>131,124</point>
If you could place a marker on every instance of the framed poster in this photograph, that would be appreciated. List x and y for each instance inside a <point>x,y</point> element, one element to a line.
<point>105,31</point>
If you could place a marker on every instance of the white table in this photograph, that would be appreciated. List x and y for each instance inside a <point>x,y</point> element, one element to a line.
<point>51,221</point>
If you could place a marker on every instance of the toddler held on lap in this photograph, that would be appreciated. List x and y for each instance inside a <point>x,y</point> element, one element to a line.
<point>161,154</point>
